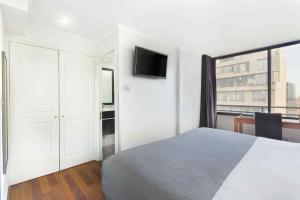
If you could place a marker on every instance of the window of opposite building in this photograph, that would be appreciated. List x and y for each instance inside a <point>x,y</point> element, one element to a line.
<point>262,64</point>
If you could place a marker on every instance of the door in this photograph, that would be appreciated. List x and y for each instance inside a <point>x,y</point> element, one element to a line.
<point>77,143</point>
<point>34,118</point>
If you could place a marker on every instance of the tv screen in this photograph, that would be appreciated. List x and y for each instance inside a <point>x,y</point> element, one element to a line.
<point>149,63</point>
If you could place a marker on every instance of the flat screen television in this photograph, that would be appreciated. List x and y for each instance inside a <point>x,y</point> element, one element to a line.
<point>149,63</point>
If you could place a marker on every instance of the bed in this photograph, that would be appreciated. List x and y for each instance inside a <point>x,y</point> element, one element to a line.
<point>205,164</point>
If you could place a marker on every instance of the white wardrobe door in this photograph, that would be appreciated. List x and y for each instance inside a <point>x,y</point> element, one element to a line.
<point>77,143</point>
<point>34,110</point>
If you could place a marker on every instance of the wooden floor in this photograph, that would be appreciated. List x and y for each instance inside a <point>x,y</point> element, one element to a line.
<point>79,183</point>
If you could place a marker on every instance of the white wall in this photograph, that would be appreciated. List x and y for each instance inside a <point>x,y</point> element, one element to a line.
<point>147,108</point>
<point>190,89</point>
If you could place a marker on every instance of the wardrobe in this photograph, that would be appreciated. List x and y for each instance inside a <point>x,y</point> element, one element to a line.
<point>51,111</point>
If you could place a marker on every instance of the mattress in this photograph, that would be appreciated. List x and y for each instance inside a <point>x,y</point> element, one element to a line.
<point>204,164</point>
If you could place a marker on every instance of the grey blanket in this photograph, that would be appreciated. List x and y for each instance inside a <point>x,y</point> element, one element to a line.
<point>191,166</point>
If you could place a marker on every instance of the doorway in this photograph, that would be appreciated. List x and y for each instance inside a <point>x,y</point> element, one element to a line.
<point>108,119</point>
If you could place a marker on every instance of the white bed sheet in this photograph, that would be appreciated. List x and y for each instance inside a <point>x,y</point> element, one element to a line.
<point>269,171</point>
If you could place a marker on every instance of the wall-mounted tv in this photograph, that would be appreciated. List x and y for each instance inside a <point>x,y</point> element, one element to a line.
<point>149,63</point>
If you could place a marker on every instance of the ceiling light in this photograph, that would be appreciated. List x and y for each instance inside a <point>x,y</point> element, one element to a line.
<point>65,21</point>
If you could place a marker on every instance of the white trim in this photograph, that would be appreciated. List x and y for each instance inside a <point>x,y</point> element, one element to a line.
<point>98,110</point>
<point>178,92</point>
<point>118,144</point>
<point>98,131</point>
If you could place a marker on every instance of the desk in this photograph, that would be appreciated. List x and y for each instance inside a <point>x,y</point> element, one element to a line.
<point>240,120</point>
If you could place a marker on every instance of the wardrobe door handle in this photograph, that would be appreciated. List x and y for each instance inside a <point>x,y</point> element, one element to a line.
<point>62,116</point>
<point>55,117</point>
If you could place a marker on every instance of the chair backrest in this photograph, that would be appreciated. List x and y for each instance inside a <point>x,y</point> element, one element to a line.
<point>268,125</point>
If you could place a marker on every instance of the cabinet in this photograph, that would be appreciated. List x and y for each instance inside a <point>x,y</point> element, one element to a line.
<point>51,107</point>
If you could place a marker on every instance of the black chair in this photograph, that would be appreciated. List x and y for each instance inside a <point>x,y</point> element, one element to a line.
<point>268,125</point>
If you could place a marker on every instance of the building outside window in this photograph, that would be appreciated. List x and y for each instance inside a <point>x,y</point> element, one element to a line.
<point>287,101</point>
<point>242,82</point>
<point>249,74</point>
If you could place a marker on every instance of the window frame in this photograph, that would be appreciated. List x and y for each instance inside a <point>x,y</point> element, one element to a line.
<point>268,49</point>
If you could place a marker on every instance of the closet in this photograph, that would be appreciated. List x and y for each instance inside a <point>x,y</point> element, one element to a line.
<point>52,111</point>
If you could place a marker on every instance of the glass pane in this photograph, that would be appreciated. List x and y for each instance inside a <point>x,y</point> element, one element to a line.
<point>242,83</point>
<point>286,81</point>
<point>107,86</point>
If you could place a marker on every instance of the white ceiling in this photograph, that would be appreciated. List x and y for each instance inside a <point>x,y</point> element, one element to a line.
<point>215,27</point>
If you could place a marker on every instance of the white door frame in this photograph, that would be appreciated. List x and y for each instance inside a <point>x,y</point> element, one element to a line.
<point>98,101</point>
<point>98,110</point>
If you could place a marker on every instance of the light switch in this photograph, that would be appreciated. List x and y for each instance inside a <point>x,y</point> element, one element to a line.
<point>126,88</point>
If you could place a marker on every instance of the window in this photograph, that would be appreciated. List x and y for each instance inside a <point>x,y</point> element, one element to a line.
<point>236,96</point>
<point>240,81</point>
<point>222,96</point>
<point>226,82</point>
<point>236,68</point>
<point>286,80</point>
<point>240,90</point>
<point>262,64</point>
<point>231,96</point>
<point>258,79</point>
<point>243,67</point>
<point>243,84</point>
<point>259,96</point>
<point>261,79</point>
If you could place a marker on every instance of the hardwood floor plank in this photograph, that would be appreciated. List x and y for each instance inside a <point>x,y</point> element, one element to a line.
<point>75,188</point>
<point>15,192</point>
<point>88,191</point>
<point>95,179</point>
<point>84,176</point>
<point>36,189</point>
<point>26,191</point>
<point>62,188</point>
<point>78,183</point>
<point>49,196</point>
<point>51,179</point>
<point>81,184</point>
<point>96,172</point>
<point>45,187</point>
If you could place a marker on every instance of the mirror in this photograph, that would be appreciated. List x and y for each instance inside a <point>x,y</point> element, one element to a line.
<point>107,86</point>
